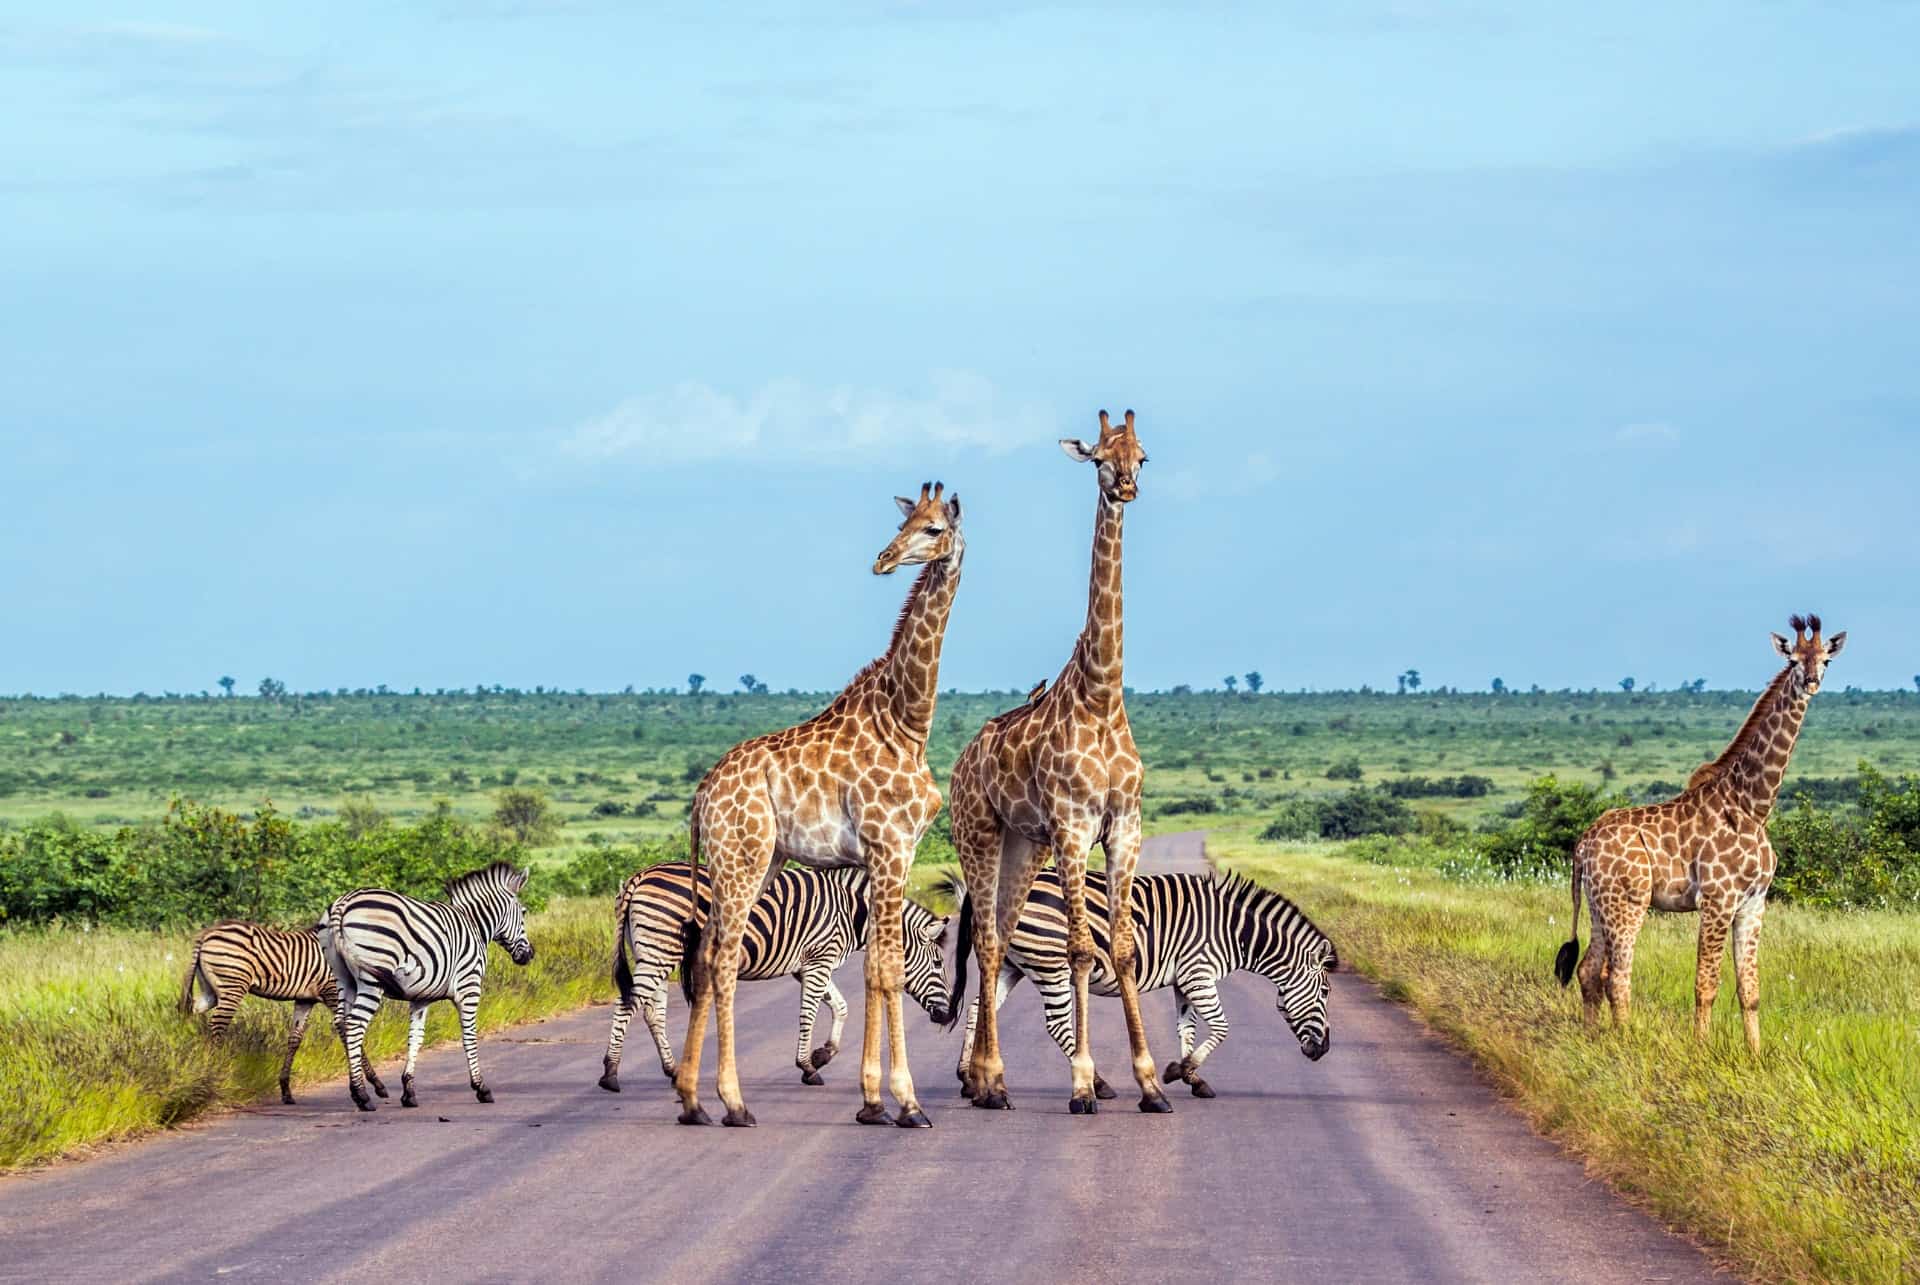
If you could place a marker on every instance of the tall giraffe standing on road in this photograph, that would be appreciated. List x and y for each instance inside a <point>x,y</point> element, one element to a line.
<point>1052,778</point>
<point>1706,850</point>
<point>850,786</point>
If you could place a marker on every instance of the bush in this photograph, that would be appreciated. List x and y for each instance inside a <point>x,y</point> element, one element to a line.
<point>1551,820</point>
<point>599,871</point>
<point>1353,815</point>
<point>1347,769</point>
<point>1467,786</point>
<point>526,816</point>
<point>1868,859</point>
<point>1187,807</point>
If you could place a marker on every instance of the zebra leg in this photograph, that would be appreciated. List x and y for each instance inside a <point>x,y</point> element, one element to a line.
<point>811,993</point>
<point>654,1010</point>
<point>223,1010</point>
<point>617,1036</point>
<point>821,1056</point>
<point>416,1032</point>
<point>469,1005</point>
<point>357,1012</point>
<point>1122,846</point>
<point>1203,997</point>
<point>302,1009</point>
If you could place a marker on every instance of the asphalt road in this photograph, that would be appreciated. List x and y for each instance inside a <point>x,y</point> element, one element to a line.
<point>1386,1161</point>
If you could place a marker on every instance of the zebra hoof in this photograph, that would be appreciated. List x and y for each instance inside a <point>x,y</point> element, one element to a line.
<point>286,1098</point>
<point>913,1118</point>
<point>379,1088</point>
<point>484,1095</point>
<point>993,1102</point>
<point>695,1115</point>
<point>364,1104</point>
<point>811,1076</point>
<point>1201,1089</point>
<point>741,1119</point>
<point>822,1056</point>
<point>1174,1071</point>
<point>1156,1103</point>
<point>1103,1090</point>
<point>873,1113</point>
<point>610,1082</point>
<point>408,1100</point>
<point>1083,1106</point>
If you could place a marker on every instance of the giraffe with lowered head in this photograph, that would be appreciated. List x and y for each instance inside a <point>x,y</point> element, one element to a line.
<point>1052,778</point>
<point>848,787</point>
<point>1706,850</point>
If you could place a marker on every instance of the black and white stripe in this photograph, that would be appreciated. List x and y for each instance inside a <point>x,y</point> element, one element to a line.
<point>380,943</point>
<point>234,959</point>
<point>805,926</point>
<point>1192,931</point>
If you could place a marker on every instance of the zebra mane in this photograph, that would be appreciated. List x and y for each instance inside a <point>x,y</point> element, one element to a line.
<point>1234,885</point>
<point>502,874</point>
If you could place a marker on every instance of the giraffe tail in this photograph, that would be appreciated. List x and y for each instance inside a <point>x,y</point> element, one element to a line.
<point>689,957</point>
<point>1569,955</point>
<point>960,951</point>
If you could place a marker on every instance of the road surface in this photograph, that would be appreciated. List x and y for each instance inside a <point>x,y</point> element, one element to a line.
<point>1386,1161</point>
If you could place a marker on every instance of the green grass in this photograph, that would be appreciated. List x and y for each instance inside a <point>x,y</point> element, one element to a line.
<point>92,1048</point>
<point>1802,1164</point>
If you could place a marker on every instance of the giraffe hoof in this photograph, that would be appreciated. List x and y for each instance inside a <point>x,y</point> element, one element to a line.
<point>485,1095</point>
<point>811,1076</point>
<point>1103,1090</point>
<point>1201,1089</point>
<point>822,1056</point>
<point>740,1119</point>
<point>968,1091</point>
<point>873,1113</point>
<point>913,1118</point>
<point>1083,1106</point>
<point>695,1115</point>
<point>993,1102</point>
<point>1156,1103</point>
<point>610,1082</point>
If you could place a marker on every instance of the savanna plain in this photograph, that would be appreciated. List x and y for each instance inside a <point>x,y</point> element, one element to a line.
<point>1426,831</point>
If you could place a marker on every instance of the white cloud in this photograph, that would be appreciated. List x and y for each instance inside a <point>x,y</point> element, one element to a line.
<point>790,420</point>
<point>1647,434</point>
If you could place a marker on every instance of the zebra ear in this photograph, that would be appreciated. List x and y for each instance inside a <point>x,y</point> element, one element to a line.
<point>936,931</point>
<point>516,880</point>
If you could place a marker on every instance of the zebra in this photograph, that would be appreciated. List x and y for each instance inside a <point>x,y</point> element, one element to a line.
<point>1192,930</point>
<point>805,925</point>
<point>381,943</point>
<point>233,959</point>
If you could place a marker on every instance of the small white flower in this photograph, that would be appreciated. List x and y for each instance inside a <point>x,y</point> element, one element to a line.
<point>169,957</point>
<point>121,968</point>
<point>71,1011</point>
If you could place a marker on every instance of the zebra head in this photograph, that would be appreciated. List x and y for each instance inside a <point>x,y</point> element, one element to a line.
<point>1301,993</point>
<point>492,897</point>
<point>926,965</point>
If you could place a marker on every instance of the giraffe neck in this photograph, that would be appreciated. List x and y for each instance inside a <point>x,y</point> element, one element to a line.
<point>1099,654</point>
<point>911,668</point>
<point>1755,762</point>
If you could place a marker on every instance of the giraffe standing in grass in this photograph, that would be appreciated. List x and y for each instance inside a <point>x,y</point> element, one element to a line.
<point>1706,850</point>
<point>848,787</point>
<point>1052,778</point>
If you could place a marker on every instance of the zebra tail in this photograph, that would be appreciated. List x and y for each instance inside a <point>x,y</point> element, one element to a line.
<point>186,989</point>
<point>960,951</point>
<point>689,956</point>
<point>336,947</point>
<point>1563,963</point>
<point>622,967</point>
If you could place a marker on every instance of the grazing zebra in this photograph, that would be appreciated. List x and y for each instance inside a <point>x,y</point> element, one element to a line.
<point>232,960</point>
<point>381,943</point>
<point>805,925</point>
<point>1192,930</point>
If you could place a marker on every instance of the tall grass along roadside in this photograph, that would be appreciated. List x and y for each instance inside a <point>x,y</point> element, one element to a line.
<point>1801,1164</point>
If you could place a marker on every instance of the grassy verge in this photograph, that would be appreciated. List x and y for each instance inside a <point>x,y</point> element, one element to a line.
<point>92,1048</point>
<point>1803,1164</point>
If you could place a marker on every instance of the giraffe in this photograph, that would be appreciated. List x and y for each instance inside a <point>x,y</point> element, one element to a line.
<point>848,787</point>
<point>1051,779</point>
<point>1707,850</point>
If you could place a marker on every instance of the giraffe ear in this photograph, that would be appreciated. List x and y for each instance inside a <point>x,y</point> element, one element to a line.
<point>953,509</point>
<point>1077,450</point>
<point>1782,646</point>
<point>1835,643</point>
<point>906,505</point>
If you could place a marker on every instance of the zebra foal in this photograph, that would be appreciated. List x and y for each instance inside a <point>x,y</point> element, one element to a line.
<point>1192,931</point>
<point>806,925</point>
<point>384,944</point>
<point>234,959</point>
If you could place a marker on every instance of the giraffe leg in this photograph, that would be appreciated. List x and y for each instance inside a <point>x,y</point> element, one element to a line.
<point>1716,917</point>
<point>1593,965</point>
<point>1009,978</point>
<point>723,967</point>
<point>1072,865</point>
<point>1123,855</point>
<point>1622,932</point>
<point>302,1010</point>
<point>886,973</point>
<point>1746,963</point>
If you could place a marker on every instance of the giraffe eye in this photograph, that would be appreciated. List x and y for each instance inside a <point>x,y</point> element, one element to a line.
<point>933,530</point>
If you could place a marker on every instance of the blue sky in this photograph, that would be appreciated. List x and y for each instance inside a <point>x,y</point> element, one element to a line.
<point>564,343</point>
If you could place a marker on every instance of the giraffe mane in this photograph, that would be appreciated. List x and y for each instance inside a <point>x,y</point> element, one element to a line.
<point>878,663</point>
<point>1742,741</point>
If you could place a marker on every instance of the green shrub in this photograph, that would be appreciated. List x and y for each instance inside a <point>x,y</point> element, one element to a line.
<point>1346,769</point>
<point>1549,823</point>
<point>1353,815</point>
<point>1867,858</point>
<point>1195,806</point>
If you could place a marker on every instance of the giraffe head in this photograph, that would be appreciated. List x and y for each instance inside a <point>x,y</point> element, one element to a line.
<point>1118,456</point>
<point>1807,655</point>
<point>930,532</point>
